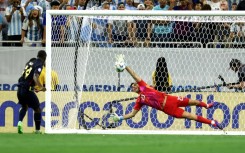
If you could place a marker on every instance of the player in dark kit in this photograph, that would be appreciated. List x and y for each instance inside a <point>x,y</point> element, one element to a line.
<point>26,95</point>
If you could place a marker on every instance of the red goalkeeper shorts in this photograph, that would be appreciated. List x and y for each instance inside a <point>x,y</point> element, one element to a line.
<point>172,105</point>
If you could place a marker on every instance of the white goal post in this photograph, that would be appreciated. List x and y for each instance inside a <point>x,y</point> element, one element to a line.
<point>90,89</point>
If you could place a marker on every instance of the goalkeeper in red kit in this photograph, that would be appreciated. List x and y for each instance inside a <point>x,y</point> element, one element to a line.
<point>166,103</point>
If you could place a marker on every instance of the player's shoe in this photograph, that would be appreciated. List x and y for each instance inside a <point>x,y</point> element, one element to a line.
<point>212,104</point>
<point>218,125</point>
<point>37,132</point>
<point>20,128</point>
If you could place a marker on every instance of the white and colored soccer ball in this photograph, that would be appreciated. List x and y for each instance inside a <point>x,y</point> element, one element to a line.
<point>120,67</point>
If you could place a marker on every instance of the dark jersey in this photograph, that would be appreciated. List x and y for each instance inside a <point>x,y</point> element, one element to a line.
<point>31,68</point>
<point>241,73</point>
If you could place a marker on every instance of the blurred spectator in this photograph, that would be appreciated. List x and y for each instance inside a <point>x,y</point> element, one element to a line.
<point>215,4</point>
<point>162,30</point>
<point>184,5</point>
<point>241,6</point>
<point>28,4</point>
<point>148,4</point>
<point>63,3</point>
<point>141,28</point>
<point>15,15</point>
<point>130,5</point>
<point>86,22</point>
<point>32,28</point>
<point>147,24</point>
<point>44,30</point>
<point>72,3</point>
<point>119,1</point>
<point>162,33</point>
<point>172,4</point>
<point>237,34</point>
<point>182,29</point>
<point>4,35</point>
<point>206,7</point>
<point>93,3</point>
<point>198,6</point>
<point>58,26</point>
<point>81,4</point>
<point>112,3</point>
<point>141,7</point>
<point>202,2</point>
<point>204,31</point>
<point>137,2</point>
<point>131,25</point>
<point>224,5</point>
<point>222,28</point>
<point>149,7</point>
<point>162,5</point>
<point>233,6</point>
<point>101,29</point>
<point>155,2</point>
<point>182,32</point>
<point>122,31</point>
<point>45,4</point>
<point>69,7</point>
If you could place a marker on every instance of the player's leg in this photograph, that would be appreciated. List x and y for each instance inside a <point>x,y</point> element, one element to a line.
<point>172,108</point>
<point>184,101</point>
<point>22,114</point>
<point>200,119</point>
<point>21,94</point>
<point>202,104</point>
<point>35,105</point>
<point>37,119</point>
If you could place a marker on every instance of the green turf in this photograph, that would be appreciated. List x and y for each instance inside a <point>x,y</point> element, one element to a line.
<point>81,143</point>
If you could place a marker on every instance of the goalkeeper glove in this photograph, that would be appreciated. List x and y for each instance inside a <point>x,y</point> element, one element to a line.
<point>120,64</point>
<point>116,118</point>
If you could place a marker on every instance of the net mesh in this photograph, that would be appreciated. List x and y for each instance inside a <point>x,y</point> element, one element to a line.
<point>197,50</point>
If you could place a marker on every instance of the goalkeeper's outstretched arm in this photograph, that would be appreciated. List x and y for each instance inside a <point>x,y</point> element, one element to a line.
<point>121,65</point>
<point>130,115</point>
<point>133,74</point>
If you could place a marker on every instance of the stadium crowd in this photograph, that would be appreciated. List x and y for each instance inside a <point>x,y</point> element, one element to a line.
<point>23,23</point>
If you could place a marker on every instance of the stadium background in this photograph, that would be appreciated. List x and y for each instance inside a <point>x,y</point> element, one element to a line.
<point>8,100</point>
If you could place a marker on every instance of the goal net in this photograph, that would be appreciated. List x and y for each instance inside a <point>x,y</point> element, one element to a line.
<point>197,47</point>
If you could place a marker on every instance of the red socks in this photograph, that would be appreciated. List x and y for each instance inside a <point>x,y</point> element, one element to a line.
<point>202,104</point>
<point>203,120</point>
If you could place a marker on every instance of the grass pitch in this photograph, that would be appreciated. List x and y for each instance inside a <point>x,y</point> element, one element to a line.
<point>88,143</point>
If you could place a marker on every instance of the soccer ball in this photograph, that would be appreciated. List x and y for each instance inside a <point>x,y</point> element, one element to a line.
<point>120,67</point>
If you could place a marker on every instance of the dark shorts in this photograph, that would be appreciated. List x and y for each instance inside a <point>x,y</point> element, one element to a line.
<point>28,98</point>
<point>172,106</point>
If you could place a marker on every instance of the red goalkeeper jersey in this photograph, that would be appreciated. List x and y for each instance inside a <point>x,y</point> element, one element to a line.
<point>149,96</point>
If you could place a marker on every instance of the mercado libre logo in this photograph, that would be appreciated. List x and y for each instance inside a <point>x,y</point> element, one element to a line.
<point>228,111</point>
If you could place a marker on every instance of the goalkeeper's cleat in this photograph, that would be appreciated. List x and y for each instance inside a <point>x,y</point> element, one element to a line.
<point>213,104</point>
<point>20,128</point>
<point>218,125</point>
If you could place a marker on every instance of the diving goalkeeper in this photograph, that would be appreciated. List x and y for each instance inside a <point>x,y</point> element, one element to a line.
<point>166,103</point>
